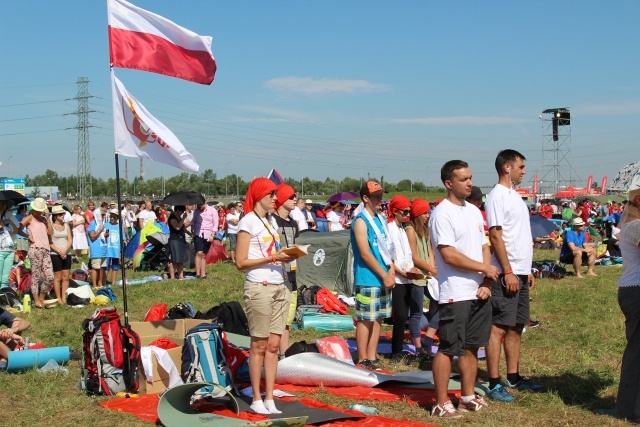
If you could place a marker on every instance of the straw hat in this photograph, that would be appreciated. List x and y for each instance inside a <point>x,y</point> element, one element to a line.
<point>38,205</point>
<point>577,222</point>
<point>57,209</point>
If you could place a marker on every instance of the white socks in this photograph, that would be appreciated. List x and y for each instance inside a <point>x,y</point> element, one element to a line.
<point>264,408</point>
<point>271,407</point>
<point>257,406</point>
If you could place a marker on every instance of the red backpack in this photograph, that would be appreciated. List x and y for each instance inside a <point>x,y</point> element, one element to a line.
<point>111,354</point>
<point>330,302</point>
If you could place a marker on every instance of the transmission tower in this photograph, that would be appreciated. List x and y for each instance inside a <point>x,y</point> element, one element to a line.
<point>84,152</point>
<point>556,171</point>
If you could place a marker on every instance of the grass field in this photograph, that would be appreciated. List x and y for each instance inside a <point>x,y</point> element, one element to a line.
<point>576,353</point>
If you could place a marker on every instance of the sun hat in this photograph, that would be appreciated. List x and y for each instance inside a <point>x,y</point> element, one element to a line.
<point>577,222</point>
<point>308,202</point>
<point>38,205</point>
<point>114,212</point>
<point>57,209</point>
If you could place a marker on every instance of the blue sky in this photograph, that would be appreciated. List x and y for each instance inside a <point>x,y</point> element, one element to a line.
<point>335,88</point>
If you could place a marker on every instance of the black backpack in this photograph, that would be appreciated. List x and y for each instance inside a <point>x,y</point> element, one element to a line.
<point>307,295</point>
<point>231,317</point>
<point>9,298</point>
<point>181,311</point>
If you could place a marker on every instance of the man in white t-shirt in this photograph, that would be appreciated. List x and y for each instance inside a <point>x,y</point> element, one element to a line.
<point>128,219</point>
<point>511,241</point>
<point>465,274</point>
<point>298,216</point>
<point>146,215</point>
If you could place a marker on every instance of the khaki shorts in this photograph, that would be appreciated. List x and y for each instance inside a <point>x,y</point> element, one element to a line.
<point>267,308</point>
<point>98,263</point>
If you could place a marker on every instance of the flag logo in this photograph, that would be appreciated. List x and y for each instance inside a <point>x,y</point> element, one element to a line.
<point>136,126</point>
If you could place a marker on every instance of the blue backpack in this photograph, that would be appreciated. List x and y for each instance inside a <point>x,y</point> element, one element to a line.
<point>203,358</point>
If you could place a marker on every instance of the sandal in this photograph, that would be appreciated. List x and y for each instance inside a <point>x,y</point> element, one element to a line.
<point>39,306</point>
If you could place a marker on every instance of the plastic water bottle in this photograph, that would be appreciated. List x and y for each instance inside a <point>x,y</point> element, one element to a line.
<point>369,410</point>
<point>26,303</point>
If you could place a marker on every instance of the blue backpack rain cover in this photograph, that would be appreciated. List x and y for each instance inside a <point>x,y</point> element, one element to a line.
<point>203,358</point>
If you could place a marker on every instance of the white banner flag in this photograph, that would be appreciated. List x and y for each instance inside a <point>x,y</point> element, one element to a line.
<point>138,134</point>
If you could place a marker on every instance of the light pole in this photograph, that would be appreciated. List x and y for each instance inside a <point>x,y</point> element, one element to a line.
<point>237,187</point>
<point>226,168</point>
<point>9,166</point>
<point>382,177</point>
<point>411,181</point>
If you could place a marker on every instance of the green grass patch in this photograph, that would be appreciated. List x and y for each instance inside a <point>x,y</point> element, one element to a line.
<point>576,353</point>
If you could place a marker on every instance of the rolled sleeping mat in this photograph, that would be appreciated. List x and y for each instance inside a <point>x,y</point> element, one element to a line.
<point>24,360</point>
<point>174,408</point>
<point>323,322</point>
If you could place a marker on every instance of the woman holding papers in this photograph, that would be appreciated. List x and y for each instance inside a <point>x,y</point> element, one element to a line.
<point>259,254</point>
<point>422,253</point>
<point>288,232</point>
<point>404,299</point>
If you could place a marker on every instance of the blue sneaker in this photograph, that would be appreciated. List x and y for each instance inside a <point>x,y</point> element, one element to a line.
<point>524,384</point>
<point>500,394</point>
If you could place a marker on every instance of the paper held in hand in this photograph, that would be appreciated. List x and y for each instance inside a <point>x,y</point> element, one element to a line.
<point>415,275</point>
<point>299,250</point>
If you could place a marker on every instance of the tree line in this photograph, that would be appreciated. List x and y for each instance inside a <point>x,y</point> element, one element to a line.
<point>206,183</point>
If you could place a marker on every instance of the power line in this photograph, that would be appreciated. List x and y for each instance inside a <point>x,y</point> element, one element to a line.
<point>32,103</point>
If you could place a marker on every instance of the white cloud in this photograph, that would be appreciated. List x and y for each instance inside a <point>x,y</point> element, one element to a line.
<point>622,108</point>
<point>458,120</point>
<point>273,115</point>
<point>308,85</point>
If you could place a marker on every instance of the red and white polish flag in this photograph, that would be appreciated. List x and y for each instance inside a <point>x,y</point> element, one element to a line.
<point>138,134</point>
<point>142,40</point>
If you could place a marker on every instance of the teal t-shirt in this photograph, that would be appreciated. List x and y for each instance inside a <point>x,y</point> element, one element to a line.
<point>97,247</point>
<point>363,275</point>
<point>113,241</point>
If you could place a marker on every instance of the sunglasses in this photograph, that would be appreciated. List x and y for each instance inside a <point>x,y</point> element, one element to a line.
<point>293,197</point>
<point>273,193</point>
<point>239,206</point>
<point>405,212</point>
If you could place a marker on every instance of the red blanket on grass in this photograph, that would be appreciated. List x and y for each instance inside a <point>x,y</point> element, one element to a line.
<point>145,407</point>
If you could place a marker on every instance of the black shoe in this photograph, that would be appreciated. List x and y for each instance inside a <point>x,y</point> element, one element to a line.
<point>533,324</point>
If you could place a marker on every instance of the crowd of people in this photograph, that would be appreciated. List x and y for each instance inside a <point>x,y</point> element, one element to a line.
<point>469,255</point>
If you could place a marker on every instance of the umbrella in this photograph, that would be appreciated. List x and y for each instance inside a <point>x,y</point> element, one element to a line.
<point>628,178</point>
<point>540,226</point>
<point>344,195</point>
<point>184,198</point>
<point>13,197</point>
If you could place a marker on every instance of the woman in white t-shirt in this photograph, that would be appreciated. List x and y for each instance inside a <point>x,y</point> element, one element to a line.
<point>259,254</point>
<point>232,220</point>
<point>398,215</point>
<point>336,219</point>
